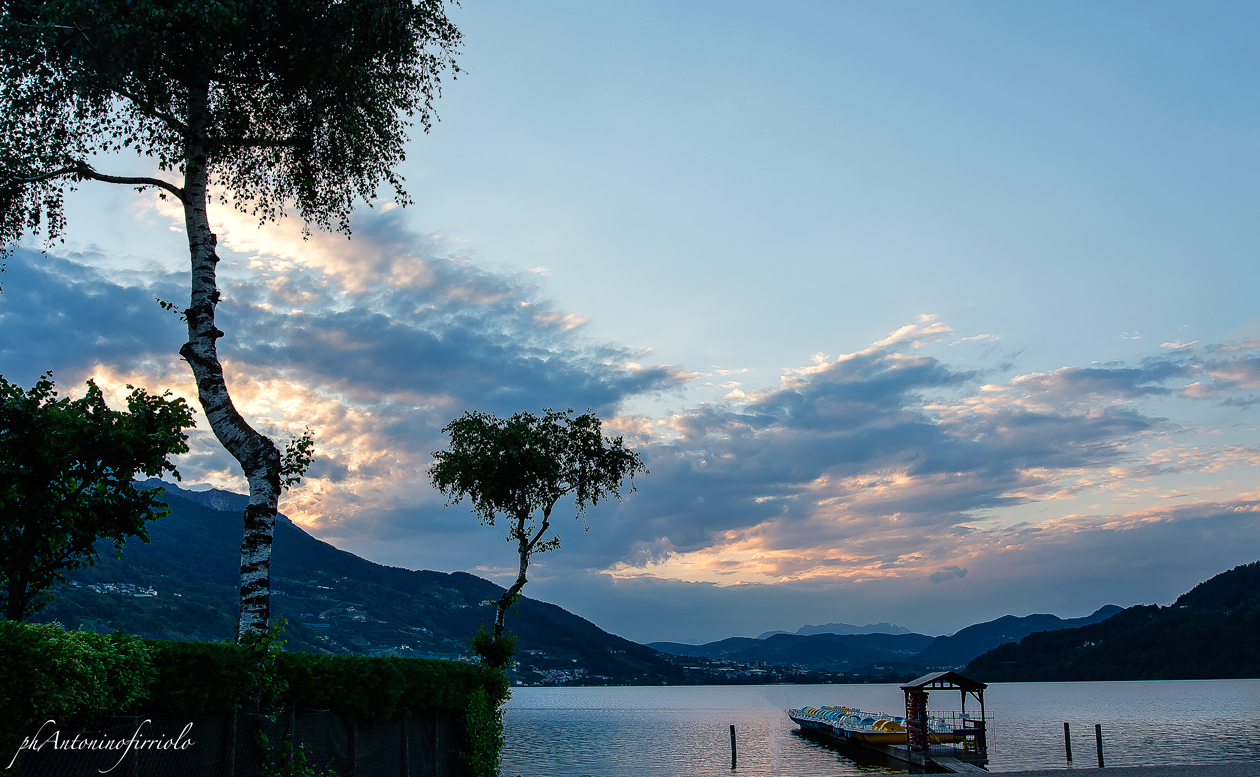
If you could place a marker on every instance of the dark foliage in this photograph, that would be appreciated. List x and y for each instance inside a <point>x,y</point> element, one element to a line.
<point>76,678</point>
<point>304,102</point>
<point>493,651</point>
<point>66,470</point>
<point>79,677</point>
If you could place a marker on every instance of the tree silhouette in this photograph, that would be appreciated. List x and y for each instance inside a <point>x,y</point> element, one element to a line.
<point>274,103</point>
<point>520,467</point>
<point>66,470</point>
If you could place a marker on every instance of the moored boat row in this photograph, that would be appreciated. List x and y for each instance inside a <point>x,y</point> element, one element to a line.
<point>851,724</point>
<point>951,741</point>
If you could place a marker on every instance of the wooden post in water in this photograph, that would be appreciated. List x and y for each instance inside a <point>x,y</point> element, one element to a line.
<point>1067,740</point>
<point>1098,740</point>
<point>732,746</point>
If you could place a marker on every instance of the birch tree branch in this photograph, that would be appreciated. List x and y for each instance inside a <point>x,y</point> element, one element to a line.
<point>84,170</point>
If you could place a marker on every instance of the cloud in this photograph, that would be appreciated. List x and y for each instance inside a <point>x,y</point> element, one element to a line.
<point>1233,374</point>
<point>1177,345</point>
<point>374,344</point>
<point>947,573</point>
<point>885,465</point>
<point>927,329</point>
<point>1201,390</point>
<point>61,315</point>
<point>1069,567</point>
<point>883,469</point>
<point>990,338</point>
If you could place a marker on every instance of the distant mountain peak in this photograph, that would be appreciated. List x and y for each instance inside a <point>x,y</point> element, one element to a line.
<point>841,629</point>
<point>214,498</point>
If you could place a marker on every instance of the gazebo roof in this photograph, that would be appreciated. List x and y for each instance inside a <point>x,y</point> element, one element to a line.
<point>944,681</point>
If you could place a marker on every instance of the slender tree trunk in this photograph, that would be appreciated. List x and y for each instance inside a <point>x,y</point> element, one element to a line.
<point>256,454</point>
<point>509,596</point>
<point>525,548</point>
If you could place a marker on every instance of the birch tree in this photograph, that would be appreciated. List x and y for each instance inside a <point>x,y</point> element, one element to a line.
<point>279,105</point>
<point>519,468</point>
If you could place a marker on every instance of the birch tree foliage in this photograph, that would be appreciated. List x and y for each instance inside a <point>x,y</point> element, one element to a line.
<point>519,468</point>
<point>284,102</point>
<point>276,104</point>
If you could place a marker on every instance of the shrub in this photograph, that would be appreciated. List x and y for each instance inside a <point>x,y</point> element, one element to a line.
<point>73,677</point>
<point>79,677</point>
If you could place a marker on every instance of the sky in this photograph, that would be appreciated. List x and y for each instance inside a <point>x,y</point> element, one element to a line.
<point>918,313</point>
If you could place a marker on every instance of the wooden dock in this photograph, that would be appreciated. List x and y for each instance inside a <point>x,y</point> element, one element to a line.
<point>954,766</point>
<point>955,742</point>
<point>905,754</point>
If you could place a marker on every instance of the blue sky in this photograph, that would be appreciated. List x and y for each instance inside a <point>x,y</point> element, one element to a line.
<point>920,313</point>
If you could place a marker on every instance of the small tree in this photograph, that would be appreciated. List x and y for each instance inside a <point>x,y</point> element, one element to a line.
<point>66,470</point>
<point>520,467</point>
<point>278,102</point>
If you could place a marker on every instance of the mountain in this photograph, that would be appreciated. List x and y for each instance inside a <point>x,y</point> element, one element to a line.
<point>842,628</point>
<point>828,652</point>
<point>1208,633</point>
<point>184,586</point>
<point>956,651</point>
<point>865,651</point>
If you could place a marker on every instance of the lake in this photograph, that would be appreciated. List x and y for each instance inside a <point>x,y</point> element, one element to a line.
<point>682,731</point>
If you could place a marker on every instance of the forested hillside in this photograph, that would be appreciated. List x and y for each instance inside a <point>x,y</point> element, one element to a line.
<point>1210,632</point>
<point>183,586</point>
<point>955,651</point>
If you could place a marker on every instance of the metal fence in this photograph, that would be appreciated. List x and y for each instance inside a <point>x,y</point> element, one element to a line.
<point>229,746</point>
<point>960,733</point>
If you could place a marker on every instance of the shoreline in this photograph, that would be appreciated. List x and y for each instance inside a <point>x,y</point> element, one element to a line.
<point>1233,769</point>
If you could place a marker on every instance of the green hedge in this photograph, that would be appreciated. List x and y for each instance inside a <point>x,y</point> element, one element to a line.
<point>73,677</point>
<point>375,690</point>
<point>78,677</point>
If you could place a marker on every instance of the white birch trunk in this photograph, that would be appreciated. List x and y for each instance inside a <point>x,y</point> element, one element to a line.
<point>256,454</point>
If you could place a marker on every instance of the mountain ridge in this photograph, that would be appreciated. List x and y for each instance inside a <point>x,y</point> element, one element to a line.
<point>183,586</point>
<point>956,650</point>
<point>841,629</point>
<point>1208,633</point>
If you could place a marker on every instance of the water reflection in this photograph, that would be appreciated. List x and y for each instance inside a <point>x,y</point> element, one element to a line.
<point>677,731</point>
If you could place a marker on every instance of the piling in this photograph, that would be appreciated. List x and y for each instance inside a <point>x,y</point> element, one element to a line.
<point>733,747</point>
<point>1067,741</point>
<point>1098,740</point>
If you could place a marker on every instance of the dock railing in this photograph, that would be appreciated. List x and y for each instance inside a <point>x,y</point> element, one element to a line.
<point>960,734</point>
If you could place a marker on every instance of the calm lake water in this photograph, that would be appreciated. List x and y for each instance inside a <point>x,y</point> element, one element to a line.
<point>684,731</point>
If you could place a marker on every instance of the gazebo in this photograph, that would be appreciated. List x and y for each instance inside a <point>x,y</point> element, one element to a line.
<point>918,734</point>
